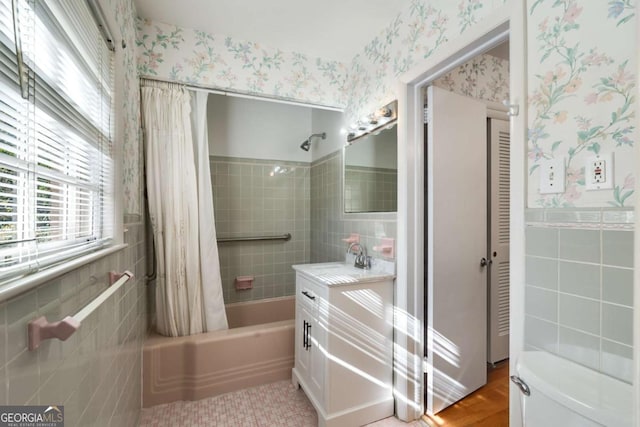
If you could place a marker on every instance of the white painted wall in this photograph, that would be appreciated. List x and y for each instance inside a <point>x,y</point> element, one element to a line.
<point>377,151</point>
<point>332,123</point>
<point>256,129</point>
<point>249,128</point>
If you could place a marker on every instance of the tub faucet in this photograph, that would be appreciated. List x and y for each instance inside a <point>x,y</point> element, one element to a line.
<point>362,260</point>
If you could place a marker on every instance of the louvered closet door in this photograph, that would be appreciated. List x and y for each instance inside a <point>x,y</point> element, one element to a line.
<point>499,141</point>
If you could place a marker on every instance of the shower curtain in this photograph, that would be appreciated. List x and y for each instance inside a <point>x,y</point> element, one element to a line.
<point>188,285</point>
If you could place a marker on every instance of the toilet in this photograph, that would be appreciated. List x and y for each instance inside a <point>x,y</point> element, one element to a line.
<point>565,394</point>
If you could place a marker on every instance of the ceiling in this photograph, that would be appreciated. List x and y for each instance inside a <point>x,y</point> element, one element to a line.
<point>330,29</point>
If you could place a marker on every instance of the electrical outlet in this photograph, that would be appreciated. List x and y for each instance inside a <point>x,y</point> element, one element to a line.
<point>598,172</point>
<point>552,176</point>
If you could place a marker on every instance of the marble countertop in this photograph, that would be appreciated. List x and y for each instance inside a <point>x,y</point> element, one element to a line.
<point>340,273</point>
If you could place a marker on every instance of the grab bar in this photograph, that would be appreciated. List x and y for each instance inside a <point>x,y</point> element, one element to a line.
<point>41,329</point>
<point>285,237</point>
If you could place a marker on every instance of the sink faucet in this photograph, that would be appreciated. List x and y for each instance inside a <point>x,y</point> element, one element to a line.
<point>362,260</point>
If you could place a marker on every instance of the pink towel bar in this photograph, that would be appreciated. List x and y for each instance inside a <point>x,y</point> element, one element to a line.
<point>41,329</point>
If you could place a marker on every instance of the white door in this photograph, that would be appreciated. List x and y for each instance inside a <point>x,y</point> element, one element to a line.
<point>499,189</point>
<point>456,244</point>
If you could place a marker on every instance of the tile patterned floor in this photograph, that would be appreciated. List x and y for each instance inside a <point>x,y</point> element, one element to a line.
<point>277,404</point>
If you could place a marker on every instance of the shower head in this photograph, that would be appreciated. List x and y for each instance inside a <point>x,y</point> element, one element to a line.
<point>307,144</point>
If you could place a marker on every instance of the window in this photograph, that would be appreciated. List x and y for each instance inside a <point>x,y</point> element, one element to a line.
<point>56,153</point>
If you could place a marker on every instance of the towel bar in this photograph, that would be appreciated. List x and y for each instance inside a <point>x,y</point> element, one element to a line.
<point>41,329</point>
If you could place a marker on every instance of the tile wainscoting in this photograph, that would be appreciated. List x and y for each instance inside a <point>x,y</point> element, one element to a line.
<point>95,374</point>
<point>579,286</point>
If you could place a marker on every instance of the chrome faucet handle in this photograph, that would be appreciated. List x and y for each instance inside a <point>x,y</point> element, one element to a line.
<point>367,262</point>
<point>363,261</point>
<point>355,244</point>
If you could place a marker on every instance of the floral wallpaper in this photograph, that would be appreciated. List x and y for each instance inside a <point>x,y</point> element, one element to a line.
<point>581,82</point>
<point>196,57</point>
<point>484,77</point>
<point>411,36</point>
<point>582,96</point>
<point>132,139</point>
<point>128,101</point>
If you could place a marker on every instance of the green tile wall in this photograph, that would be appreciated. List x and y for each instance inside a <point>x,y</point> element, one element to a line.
<point>95,374</point>
<point>370,189</point>
<point>579,286</point>
<point>264,197</point>
<point>261,198</point>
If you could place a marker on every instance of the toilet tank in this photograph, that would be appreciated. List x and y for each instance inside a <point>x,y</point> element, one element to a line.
<point>565,394</point>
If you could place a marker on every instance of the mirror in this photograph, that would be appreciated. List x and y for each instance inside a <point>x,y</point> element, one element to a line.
<point>370,172</point>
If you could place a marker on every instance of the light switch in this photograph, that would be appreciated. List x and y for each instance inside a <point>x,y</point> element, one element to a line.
<point>598,172</point>
<point>552,176</point>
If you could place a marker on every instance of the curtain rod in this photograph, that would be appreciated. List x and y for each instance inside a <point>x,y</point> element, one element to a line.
<point>216,91</point>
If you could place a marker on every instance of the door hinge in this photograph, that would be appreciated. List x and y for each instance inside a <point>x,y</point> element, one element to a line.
<point>427,115</point>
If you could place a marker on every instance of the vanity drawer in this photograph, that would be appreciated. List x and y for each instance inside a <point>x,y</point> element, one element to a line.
<point>308,293</point>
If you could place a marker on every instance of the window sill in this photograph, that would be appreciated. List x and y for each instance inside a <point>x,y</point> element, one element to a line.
<point>26,283</point>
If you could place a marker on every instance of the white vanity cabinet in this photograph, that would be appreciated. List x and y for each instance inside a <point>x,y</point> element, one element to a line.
<point>344,343</point>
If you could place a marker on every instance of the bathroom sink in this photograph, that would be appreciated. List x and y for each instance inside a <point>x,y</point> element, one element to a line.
<point>336,273</point>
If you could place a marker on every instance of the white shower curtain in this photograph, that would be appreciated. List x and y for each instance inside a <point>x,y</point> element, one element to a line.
<point>181,212</point>
<point>215,315</point>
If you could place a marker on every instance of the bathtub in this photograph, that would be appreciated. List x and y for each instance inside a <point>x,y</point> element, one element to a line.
<point>256,349</point>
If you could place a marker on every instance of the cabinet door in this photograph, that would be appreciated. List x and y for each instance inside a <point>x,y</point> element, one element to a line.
<point>317,356</point>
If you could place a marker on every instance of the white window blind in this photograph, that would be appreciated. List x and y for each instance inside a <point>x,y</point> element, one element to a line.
<point>56,153</point>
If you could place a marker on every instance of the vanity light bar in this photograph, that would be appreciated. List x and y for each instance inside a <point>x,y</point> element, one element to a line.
<point>382,118</point>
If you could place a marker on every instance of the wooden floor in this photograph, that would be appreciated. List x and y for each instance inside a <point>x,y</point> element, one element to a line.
<point>486,407</point>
